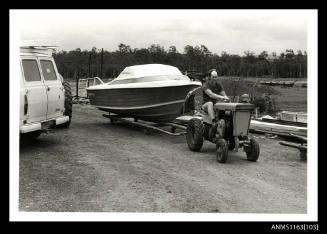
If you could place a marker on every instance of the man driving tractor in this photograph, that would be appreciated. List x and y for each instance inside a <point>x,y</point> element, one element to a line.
<point>225,124</point>
<point>213,91</point>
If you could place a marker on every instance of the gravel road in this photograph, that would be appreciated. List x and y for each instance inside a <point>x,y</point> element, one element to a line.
<point>98,166</point>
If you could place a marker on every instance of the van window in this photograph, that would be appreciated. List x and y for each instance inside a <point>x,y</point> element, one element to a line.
<point>31,70</point>
<point>48,70</point>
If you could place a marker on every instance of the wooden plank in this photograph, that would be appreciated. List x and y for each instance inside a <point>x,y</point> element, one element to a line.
<point>278,132</point>
<point>294,116</point>
<point>277,128</point>
<point>283,122</point>
<point>303,139</point>
<point>300,147</point>
<point>286,134</point>
<point>257,123</point>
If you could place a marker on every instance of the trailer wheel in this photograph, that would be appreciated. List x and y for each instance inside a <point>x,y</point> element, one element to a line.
<point>231,144</point>
<point>112,121</point>
<point>68,103</point>
<point>221,150</point>
<point>253,152</point>
<point>194,134</point>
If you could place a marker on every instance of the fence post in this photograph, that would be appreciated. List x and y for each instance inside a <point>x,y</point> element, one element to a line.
<point>76,77</point>
<point>101,63</point>
<point>90,62</point>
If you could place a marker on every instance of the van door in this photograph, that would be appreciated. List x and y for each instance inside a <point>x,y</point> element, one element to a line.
<point>34,95</point>
<point>54,87</point>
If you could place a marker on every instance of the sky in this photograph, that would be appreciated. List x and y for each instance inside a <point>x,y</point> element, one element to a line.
<point>232,31</point>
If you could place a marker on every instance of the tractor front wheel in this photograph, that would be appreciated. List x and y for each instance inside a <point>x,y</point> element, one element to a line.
<point>221,150</point>
<point>253,151</point>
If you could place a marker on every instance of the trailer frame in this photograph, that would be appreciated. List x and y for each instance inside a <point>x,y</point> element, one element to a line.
<point>148,125</point>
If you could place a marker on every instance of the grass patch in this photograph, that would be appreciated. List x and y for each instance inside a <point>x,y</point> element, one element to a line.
<point>234,87</point>
<point>292,99</point>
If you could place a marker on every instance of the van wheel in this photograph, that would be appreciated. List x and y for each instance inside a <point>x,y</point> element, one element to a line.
<point>31,136</point>
<point>68,103</point>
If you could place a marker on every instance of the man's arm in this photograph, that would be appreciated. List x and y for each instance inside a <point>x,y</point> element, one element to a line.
<point>223,93</point>
<point>216,96</point>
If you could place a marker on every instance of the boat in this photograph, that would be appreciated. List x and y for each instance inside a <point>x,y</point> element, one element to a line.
<point>150,92</point>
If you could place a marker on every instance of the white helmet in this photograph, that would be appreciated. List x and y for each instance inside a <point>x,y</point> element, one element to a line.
<point>214,74</point>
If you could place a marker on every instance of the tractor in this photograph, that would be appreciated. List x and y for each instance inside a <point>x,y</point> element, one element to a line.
<point>230,132</point>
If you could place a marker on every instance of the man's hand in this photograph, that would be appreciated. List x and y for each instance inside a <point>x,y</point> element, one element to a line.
<point>216,96</point>
<point>225,98</point>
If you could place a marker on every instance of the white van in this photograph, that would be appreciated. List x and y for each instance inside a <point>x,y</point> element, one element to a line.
<point>45,99</point>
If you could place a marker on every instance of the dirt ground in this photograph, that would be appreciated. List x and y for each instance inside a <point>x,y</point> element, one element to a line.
<point>102,167</point>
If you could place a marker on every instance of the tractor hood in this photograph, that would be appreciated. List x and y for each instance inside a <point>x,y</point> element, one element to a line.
<point>234,106</point>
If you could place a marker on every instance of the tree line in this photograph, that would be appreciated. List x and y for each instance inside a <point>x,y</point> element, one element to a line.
<point>106,64</point>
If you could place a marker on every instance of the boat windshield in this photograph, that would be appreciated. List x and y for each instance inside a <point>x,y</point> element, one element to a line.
<point>149,79</point>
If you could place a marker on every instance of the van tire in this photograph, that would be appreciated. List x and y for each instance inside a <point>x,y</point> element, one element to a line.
<point>68,103</point>
<point>29,137</point>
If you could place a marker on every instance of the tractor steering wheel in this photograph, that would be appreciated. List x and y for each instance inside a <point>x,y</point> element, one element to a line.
<point>223,100</point>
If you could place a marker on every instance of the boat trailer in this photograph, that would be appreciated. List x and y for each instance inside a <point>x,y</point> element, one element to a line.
<point>149,125</point>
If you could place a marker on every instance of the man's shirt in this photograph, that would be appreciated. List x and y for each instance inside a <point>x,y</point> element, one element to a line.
<point>215,86</point>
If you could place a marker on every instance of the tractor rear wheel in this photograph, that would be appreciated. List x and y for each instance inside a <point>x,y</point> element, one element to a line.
<point>194,134</point>
<point>253,152</point>
<point>221,150</point>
